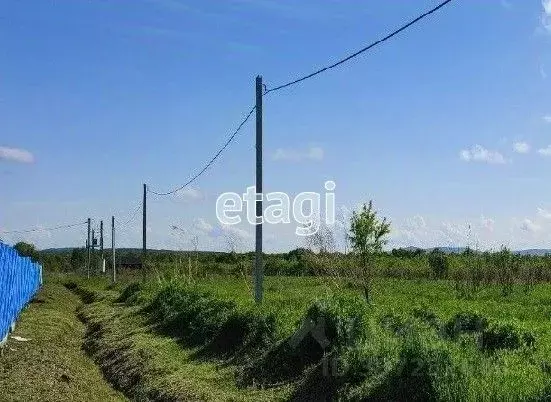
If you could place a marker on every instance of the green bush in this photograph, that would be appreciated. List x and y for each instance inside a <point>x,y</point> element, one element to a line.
<point>343,318</point>
<point>465,322</point>
<point>427,370</point>
<point>282,267</point>
<point>190,314</point>
<point>439,264</point>
<point>506,336</point>
<point>129,293</point>
<point>392,322</point>
<point>428,317</point>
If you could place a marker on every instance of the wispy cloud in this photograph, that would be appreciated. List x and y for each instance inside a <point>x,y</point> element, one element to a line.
<point>546,15</point>
<point>547,118</point>
<point>295,155</point>
<point>478,153</point>
<point>545,151</point>
<point>543,73</point>
<point>190,194</point>
<point>487,223</point>
<point>16,155</point>
<point>544,213</point>
<point>528,226</point>
<point>203,226</point>
<point>521,147</point>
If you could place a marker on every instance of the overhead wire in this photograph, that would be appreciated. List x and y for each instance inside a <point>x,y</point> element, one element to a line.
<point>364,49</point>
<point>43,229</point>
<point>210,162</point>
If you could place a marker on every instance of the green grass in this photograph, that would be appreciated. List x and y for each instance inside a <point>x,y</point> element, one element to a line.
<point>401,347</point>
<point>51,366</point>
<point>150,366</point>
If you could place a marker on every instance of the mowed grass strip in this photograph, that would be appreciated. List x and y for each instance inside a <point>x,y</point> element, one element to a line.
<point>149,366</point>
<point>51,366</point>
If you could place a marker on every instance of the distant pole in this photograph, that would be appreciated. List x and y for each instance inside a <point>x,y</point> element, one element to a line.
<point>258,268</point>
<point>144,229</point>
<point>93,245</point>
<point>113,248</point>
<point>101,246</point>
<point>88,250</point>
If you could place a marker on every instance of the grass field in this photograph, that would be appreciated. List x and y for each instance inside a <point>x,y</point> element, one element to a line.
<point>51,366</point>
<point>418,340</point>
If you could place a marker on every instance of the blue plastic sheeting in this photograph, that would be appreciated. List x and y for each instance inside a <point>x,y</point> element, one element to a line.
<point>20,279</point>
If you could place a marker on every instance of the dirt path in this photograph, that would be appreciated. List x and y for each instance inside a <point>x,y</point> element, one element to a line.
<point>51,366</point>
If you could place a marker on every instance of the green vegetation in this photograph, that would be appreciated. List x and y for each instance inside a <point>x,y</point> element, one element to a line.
<point>366,325</point>
<point>51,366</point>
<point>417,340</point>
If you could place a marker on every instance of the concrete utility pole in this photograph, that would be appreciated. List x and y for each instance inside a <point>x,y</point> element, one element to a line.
<point>101,247</point>
<point>93,245</point>
<point>113,248</point>
<point>144,230</point>
<point>258,266</point>
<point>88,249</point>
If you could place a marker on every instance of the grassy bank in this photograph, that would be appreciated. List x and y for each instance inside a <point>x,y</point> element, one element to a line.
<point>51,366</point>
<point>149,365</point>
<point>420,340</point>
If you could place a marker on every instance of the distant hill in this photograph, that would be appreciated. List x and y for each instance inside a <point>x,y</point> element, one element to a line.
<point>448,250</point>
<point>458,250</point>
<point>534,251</point>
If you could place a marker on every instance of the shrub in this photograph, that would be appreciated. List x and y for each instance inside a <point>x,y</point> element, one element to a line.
<point>281,266</point>
<point>439,264</point>
<point>427,316</point>
<point>243,332</point>
<point>506,336</point>
<point>392,322</point>
<point>128,295</point>
<point>343,318</point>
<point>192,315</point>
<point>427,370</point>
<point>465,322</point>
<point>329,324</point>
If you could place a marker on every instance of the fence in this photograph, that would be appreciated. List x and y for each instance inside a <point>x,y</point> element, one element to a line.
<point>20,279</point>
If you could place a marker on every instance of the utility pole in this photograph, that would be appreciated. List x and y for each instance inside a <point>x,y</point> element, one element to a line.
<point>93,245</point>
<point>258,266</point>
<point>88,250</point>
<point>113,248</point>
<point>101,246</point>
<point>144,229</point>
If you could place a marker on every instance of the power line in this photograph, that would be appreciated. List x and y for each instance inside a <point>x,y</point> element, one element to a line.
<point>133,215</point>
<point>43,229</point>
<point>196,176</point>
<point>377,42</point>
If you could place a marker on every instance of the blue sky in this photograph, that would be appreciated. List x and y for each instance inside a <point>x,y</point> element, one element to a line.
<point>445,126</point>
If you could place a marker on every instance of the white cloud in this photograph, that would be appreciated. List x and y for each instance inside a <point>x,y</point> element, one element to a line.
<point>456,234</point>
<point>295,155</point>
<point>546,15</point>
<point>487,223</point>
<point>233,230</point>
<point>415,223</point>
<point>190,194</point>
<point>477,153</point>
<point>528,226</point>
<point>16,155</point>
<point>203,226</point>
<point>543,74</point>
<point>547,118</point>
<point>521,147</point>
<point>544,213</point>
<point>545,151</point>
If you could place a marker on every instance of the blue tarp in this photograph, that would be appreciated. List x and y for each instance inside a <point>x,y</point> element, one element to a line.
<point>20,279</point>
